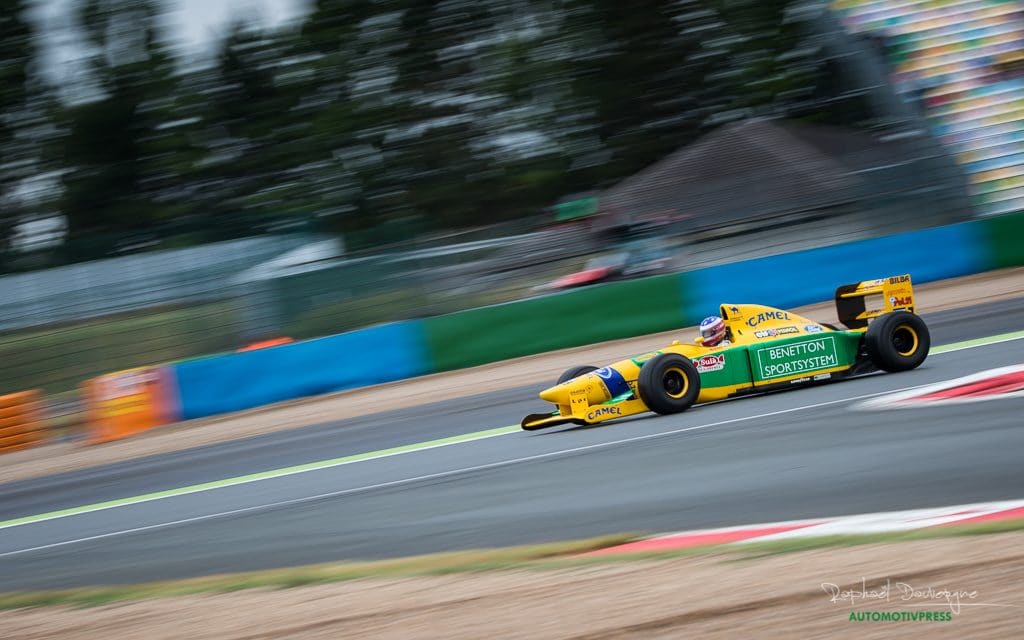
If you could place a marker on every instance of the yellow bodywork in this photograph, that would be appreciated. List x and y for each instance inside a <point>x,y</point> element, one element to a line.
<point>591,398</point>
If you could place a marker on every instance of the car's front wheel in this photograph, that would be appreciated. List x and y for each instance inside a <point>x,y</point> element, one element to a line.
<point>668,383</point>
<point>897,341</point>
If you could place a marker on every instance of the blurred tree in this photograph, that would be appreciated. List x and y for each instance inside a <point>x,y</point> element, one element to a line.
<point>15,57</point>
<point>638,63</point>
<point>118,160</point>
<point>405,115</point>
<point>770,69</point>
<point>247,115</point>
<point>332,25</point>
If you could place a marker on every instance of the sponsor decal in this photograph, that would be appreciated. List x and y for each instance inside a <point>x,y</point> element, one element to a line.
<point>578,397</point>
<point>733,310</point>
<point>796,358</point>
<point>813,328</point>
<point>613,381</point>
<point>899,279</point>
<point>127,402</point>
<point>823,376</point>
<point>710,363</point>
<point>604,411</point>
<point>641,359</point>
<point>799,380</point>
<point>133,382</point>
<point>767,316</point>
<point>775,332</point>
<point>896,301</point>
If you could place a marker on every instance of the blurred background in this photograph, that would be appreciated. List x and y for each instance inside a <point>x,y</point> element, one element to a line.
<point>186,177</point>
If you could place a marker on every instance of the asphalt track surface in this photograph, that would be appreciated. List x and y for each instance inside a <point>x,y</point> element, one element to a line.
<point>798,454</point>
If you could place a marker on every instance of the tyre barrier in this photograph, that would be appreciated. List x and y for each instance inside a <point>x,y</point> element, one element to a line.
<point>21,420</point>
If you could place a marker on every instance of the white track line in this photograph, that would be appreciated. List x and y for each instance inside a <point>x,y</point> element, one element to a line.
<point>452,472</point>
<point>432,476</point>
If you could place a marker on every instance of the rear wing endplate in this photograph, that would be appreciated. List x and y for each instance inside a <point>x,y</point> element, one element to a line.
<point>853,300</point>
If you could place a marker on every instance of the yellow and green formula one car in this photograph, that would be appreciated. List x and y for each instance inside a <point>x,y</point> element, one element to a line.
<point>764,349</point>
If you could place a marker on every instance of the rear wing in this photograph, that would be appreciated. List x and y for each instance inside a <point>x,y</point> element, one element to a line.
<point>859,302</point>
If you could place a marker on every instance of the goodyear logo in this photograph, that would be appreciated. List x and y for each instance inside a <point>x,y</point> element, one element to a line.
<point>604,411</point>
<point>710,363</point>
<point>766,316</point>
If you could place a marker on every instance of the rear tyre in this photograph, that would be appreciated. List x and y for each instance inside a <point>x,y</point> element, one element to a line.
<point>575,372</point>
<point>668,383</point>
<point>897,341</point>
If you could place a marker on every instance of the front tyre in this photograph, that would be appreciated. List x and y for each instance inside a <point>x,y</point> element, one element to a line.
<point>897,341</point>
<point>668,383</point>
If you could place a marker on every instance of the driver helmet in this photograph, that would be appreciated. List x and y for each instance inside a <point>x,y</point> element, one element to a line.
<point>712,330</point>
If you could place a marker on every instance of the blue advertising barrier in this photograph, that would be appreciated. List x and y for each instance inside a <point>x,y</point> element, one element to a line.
<point>805,277</point>
<point>386,353</point>
<point>237,381</point>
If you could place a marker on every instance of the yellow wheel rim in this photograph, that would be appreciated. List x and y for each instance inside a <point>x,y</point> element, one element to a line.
<point>675,382</point>
<point>904,338</point>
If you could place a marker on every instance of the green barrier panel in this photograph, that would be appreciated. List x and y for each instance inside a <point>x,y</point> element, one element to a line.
<point>1006,240</point>
<point>583,316</point>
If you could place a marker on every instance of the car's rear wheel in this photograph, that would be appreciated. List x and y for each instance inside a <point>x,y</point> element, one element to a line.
<point>575,372</point>
<point>897,341</point>
<point>668,383</point>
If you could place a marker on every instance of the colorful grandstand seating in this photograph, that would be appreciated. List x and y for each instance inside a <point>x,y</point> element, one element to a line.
<point>957,57</point>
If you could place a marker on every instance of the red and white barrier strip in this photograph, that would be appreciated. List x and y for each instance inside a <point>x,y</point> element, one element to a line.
<point>845,525</point>
<point>1004,382</point>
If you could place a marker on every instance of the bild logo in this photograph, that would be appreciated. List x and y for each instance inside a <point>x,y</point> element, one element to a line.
<point>710,363</point>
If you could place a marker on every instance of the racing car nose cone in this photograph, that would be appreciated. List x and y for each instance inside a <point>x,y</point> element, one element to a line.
<point>558,394</point>
<point>562,394</point>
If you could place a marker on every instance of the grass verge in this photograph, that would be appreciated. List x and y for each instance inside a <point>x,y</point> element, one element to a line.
<point>559,555</point>
<point>535,557</point>
<point>433,564</point>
